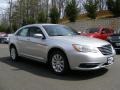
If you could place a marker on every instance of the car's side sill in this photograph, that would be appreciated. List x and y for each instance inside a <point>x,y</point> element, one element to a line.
<point>33,58</point>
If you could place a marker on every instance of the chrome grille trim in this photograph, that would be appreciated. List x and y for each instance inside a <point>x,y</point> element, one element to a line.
<point>106,50</point>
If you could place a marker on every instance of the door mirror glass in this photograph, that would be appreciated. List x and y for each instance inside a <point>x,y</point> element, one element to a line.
<point>38,36</point>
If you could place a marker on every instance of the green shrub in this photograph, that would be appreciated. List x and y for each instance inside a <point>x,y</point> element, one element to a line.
<point>42,17</point>
<point>24,22</point>
<point>91,7</point>
<point>71,10</point>
<point>114,7</point>
<point>3,28</point>
<point>54,15</point>
<point>14,27</point>
<point>30,20</point>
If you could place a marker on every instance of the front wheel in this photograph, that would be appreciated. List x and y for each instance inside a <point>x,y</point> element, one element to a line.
<point>13,53</point>
<point>59,63</point>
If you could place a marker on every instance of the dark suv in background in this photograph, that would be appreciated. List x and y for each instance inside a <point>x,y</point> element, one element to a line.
<point>115,40</point>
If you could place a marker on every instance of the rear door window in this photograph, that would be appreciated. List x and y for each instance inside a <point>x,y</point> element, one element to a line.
<point>23,32</point>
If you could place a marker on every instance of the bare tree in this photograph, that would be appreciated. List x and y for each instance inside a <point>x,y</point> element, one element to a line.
<point>24,11</point>
<point>10,15</point>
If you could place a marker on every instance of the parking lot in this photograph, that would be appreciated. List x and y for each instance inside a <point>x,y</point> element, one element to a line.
<point>31,75</point>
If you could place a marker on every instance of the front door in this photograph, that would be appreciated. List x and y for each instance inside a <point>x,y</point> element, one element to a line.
<point>37,46</point>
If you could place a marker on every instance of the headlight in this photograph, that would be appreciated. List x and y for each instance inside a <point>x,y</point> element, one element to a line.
<point>85,49</point>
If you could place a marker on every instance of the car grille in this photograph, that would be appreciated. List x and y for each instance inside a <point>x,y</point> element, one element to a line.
<point>106,50</point>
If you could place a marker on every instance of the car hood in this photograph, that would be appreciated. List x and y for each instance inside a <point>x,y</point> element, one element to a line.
<point>82,40</point>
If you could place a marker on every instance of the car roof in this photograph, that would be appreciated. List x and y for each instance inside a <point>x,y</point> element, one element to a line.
<point>39,25</point>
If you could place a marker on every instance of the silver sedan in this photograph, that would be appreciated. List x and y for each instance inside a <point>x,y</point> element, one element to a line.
<point>61,47</point>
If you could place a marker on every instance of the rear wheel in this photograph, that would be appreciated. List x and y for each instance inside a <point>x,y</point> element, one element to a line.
<point>13,53</point>
<point>59,63</point>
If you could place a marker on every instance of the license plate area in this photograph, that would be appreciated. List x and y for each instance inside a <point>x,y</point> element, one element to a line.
<point>110,60</point>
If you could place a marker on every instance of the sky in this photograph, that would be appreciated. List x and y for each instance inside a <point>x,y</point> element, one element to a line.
<point>3,5</point>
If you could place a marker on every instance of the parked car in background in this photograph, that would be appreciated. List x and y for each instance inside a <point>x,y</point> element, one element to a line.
<point>61,47</point>
<point>115,40</point>
<point>101,33</point>
<point>2,35</point>
<point>6,38</point>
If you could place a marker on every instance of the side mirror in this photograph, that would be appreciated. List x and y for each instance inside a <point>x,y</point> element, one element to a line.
<point>38,36</point>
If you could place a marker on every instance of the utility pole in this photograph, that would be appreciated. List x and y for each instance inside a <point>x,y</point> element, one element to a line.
<point>10,15</point>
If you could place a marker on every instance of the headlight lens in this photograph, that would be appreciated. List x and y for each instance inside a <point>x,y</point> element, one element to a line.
<point>85,49</point>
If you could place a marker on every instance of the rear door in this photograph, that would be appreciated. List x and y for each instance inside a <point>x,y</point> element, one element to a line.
<point>23,41</point>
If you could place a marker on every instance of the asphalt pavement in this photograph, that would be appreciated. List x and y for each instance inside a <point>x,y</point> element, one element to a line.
<point>30,75</point>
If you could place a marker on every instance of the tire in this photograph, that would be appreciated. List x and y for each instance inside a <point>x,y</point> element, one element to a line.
<point>58,63</point>
<point>13,53</point>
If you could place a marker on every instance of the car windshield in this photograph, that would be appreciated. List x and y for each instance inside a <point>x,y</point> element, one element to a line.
<point>106,30</point>
<point>59,30</point>
<point>93,30</point>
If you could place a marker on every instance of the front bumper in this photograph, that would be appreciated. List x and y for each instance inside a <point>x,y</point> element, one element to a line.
<point>91,67</point>
<point>90,61</point>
